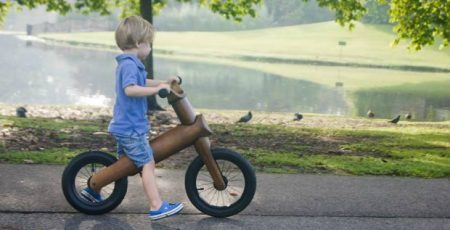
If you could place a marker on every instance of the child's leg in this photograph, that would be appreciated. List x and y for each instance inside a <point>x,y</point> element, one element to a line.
<point>149,182</point>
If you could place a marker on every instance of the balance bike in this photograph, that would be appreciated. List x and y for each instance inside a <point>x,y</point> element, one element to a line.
<point>219,182</point>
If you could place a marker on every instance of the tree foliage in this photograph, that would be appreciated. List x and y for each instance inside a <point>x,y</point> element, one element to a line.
<point>376,13</point>
<point>347,11</point>
<point>421,21</point>
<point>293,12</point>
<point>234,9</point>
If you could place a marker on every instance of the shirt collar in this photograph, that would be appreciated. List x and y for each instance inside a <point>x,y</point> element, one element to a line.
<point>133,57</point>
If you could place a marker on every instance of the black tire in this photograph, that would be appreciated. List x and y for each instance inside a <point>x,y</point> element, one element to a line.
<point>72,193</point>
<point>242,166</point>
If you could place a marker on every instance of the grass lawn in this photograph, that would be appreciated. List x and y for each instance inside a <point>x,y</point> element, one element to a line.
<point>318,144</point>
<point>366,152</point>
<point>318,41</point>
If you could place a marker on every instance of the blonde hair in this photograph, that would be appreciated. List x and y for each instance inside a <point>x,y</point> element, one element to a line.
<point>133,30</point>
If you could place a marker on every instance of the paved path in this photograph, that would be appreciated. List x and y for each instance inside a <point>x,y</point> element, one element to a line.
<point>31,197</point>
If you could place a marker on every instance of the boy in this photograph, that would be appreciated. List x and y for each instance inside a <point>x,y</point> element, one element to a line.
<point>129,125</point>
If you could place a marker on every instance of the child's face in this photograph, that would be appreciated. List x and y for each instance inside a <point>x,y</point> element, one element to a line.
<point>143,50</point>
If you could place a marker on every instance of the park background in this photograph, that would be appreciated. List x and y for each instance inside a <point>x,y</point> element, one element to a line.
<point>290,58</point>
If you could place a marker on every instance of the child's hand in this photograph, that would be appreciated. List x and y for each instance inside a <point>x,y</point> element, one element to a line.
<point>172,79</point>
<point>164,86</point>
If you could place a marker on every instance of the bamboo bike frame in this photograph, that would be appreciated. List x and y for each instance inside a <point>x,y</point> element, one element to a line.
<point>193,130</point>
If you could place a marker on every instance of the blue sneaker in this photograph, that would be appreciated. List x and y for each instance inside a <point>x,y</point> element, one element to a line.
<point>167,209</point>
<point>91,195</point>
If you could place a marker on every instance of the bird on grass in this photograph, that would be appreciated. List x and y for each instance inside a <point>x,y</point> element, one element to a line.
<point>21,112</point>
<point>408,116</point>
<point>298,117</point>
<point>370,114</point>
<point>395,120</point>
<point>246,118</point>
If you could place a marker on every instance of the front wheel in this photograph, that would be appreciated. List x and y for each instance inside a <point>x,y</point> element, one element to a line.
<point>239,178</point>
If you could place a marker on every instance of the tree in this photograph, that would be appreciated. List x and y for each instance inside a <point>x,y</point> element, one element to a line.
<point>376,13</point>
<point>293,12</point>
<point>422,21</point>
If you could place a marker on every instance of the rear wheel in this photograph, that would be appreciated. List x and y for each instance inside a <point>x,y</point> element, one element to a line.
<point>239,178</point>
<point>75,178</point>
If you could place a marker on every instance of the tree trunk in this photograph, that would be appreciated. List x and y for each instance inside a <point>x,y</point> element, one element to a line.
<point>147,14</point>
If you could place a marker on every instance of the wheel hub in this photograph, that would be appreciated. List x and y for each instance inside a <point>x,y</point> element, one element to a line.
<point>225,180</point>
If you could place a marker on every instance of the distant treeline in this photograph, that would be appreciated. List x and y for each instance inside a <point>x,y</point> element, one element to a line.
<point>292,12</point>
<point>180,16</point>
<point>190,16</point>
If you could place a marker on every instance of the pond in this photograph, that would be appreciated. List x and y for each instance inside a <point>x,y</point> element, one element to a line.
<point>36,73</point>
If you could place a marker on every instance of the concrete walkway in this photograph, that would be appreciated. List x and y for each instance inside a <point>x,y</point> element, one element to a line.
<point>30,194</point>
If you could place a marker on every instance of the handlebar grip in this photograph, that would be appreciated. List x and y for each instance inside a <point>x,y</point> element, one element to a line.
<point>163,93</point>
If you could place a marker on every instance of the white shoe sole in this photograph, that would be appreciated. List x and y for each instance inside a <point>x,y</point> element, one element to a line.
<point>170,213</point>
<point>89,197</point>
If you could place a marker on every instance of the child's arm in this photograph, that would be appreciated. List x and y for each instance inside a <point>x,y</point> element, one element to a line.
<point>152,83</point>
<point>139,91</point>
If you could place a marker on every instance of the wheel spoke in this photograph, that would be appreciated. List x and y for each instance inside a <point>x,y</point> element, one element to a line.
<point>203,184</point>
<point>217,202</point>
<point>226,169</point>
<point>85,172</point>
<point>207,177</point>
<point>226,196</point>
<point>204,190</point>
<point>233,190</point>
<point>235,180</point>
<point>210,191</point>
<point>211,197</point>
<point>221,198</point>
<point>232,177</point>
<point>223,167</point>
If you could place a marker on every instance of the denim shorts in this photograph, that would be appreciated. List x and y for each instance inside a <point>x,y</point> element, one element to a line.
<point>136,147</point>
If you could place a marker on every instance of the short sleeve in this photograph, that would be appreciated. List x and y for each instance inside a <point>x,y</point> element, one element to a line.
<point>129,74</point>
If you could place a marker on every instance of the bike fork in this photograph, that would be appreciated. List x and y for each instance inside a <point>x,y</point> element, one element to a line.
<point>203,148</point>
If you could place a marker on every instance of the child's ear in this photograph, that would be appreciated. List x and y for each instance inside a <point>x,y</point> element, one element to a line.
<point>139,44</point>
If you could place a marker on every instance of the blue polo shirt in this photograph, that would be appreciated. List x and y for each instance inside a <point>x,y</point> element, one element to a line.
<point>129,113</point>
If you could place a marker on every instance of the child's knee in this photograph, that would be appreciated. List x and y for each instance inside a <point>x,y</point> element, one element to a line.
<point>149,165</point>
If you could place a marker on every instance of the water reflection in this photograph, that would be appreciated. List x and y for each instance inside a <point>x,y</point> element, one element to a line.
<point>224,87</point>
<point>35,73</point>
<point>426,101</point>
<point>40,74</point>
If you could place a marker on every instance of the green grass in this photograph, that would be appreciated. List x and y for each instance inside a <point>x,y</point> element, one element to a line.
<point>49,124</point>
<point>366,44</point>
<point>285,162</point>
<point>397,151</point>
<point>372,147</point>
<point>46,156</point>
